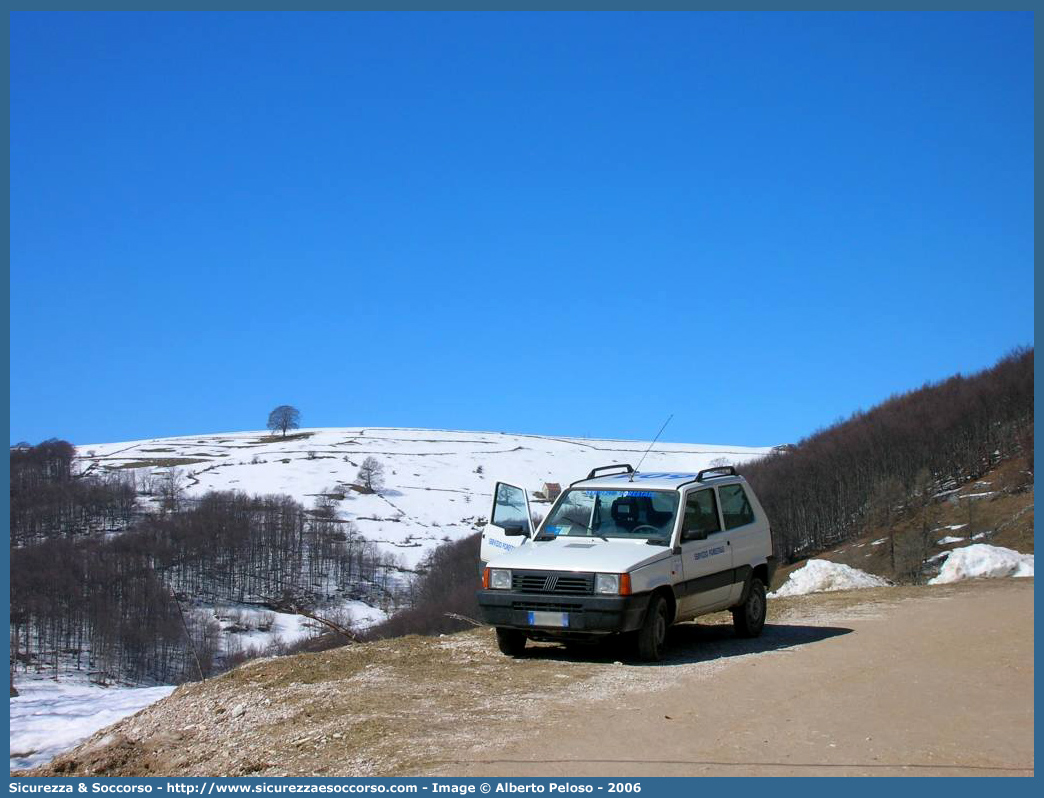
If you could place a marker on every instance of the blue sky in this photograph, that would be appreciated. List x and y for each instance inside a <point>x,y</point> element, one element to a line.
<point>557,223</point>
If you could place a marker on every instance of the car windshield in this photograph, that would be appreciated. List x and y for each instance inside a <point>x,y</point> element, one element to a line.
<point>635,514</point>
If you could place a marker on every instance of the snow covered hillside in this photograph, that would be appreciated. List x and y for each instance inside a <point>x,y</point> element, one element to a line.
<point>437,483</point>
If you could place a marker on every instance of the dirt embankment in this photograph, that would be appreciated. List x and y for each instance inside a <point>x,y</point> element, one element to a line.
<point>890,681</point>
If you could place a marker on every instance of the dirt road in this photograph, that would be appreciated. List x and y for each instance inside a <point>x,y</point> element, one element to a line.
<point>889,681</point>
<point>933,684</point>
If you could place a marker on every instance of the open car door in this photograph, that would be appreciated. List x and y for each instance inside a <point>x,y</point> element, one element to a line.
<point>510,523</point>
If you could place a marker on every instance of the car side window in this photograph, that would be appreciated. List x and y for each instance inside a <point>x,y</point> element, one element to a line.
<point>701,515</point>
<point>735,507</point>
<point>510,507</point>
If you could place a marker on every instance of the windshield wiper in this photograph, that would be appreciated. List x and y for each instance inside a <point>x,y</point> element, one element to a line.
<point>596,534</point>
<point>576,523</point>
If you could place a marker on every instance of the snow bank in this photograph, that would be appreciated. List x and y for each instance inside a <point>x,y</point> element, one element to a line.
<point>48,718</point>
<point>983,560</point>
<point>821,576</point>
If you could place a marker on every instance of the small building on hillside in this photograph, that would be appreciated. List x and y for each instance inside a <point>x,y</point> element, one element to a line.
<point>548,492</point>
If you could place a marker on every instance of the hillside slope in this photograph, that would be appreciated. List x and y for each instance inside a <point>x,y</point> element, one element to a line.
<point>438,483</point>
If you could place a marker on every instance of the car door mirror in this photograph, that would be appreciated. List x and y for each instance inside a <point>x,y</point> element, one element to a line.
<point>515,529</point>
<point>693,534</point>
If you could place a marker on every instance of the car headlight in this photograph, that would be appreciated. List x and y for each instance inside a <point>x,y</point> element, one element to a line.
<point>607,583</point>
<point>499,579</point>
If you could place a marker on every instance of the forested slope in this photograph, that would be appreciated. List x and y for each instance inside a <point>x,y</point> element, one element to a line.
<point>861,473</point>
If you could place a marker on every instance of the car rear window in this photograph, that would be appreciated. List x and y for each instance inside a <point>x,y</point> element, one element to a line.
<point>735,508</point>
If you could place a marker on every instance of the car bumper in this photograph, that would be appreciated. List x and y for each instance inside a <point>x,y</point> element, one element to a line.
<point>584,614</point>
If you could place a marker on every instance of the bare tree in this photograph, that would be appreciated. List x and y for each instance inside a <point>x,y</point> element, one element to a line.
<point>147,483</point>
<point>171,487</point>
<point>371,474</point>
<point>283,418</point>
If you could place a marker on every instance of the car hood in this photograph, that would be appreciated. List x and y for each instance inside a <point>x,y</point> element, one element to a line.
<point>564,554</point>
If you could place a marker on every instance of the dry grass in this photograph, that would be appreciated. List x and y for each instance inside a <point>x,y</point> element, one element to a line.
<point>382,708</point>
<point>293,436</point>
<point>164,462</point>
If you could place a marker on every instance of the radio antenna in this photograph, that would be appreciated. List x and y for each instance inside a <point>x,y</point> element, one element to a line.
<point>658,434</point>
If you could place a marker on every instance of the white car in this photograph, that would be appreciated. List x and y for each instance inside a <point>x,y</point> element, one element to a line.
<point>626,552</point>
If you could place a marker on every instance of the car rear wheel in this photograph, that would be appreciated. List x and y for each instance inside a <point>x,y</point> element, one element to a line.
<point>653,634</point>
<point>511,641</point>
<point>749,617</point>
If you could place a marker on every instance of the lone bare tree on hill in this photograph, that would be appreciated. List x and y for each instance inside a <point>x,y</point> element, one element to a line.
<point>283,418</point>
<point>371,474</point>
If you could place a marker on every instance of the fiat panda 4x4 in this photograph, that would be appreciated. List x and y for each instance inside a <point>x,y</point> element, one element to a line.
<point>626,552</point>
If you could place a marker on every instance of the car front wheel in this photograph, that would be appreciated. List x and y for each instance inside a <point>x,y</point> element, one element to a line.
<point>653,634</point>
<point>511,641</point>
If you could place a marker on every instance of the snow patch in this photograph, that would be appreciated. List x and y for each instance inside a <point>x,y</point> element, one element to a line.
<point>981,560</point>
<point>946,541</point>
<point>821,576</point>
<point>48,718</point>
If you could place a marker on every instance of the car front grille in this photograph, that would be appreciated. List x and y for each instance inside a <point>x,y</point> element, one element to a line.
<point>546,606</point>
<point>554,582</point>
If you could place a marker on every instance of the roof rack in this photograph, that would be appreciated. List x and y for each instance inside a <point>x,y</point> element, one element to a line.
<point>626,466</point>
<point>730,471</point>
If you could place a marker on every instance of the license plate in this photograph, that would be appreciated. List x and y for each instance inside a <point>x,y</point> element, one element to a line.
<point>549,619</point>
